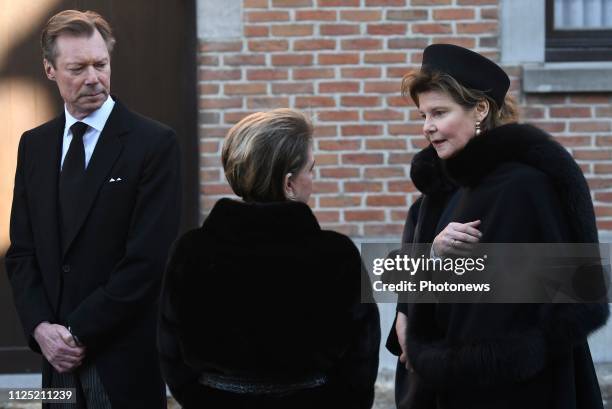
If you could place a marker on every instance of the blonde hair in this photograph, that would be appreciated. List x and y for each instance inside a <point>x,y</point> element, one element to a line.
<point>261,149</point>
<point>75,23</point>
<point>417,82</point>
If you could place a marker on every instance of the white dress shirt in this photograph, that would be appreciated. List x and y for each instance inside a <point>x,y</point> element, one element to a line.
<point>96,121</point>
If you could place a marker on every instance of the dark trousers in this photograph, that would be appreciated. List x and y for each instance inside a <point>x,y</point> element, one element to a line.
<point>90,393</point>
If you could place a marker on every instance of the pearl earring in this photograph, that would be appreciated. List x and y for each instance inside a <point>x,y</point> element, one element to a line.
<point>478,130</point>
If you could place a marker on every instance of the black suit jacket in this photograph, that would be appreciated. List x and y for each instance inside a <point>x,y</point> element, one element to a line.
<point>105,283</point>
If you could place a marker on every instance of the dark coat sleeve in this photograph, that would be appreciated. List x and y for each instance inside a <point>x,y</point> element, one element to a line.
<point>180,378</point>
<point>528,211</point>
<point>22,266</point>
<point>134,284</point>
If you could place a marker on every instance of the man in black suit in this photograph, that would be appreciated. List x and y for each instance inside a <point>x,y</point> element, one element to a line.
<point>95,209</point>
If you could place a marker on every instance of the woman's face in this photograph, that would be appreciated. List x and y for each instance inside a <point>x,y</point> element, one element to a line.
<point>299,186</point>
<point>448,126</point>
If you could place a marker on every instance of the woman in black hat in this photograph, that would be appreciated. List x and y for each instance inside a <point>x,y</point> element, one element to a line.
<point>486,179</point>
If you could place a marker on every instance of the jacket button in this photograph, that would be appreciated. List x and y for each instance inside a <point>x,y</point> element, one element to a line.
<point>66,268</point>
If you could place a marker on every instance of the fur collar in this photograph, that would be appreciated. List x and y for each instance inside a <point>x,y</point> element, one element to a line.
<point>239,221</point>
<point>521,143</point>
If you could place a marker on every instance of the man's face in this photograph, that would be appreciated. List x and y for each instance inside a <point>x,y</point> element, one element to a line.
<point>82,72</point>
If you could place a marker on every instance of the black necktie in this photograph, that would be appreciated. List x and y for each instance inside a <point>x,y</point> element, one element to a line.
<point>71,177</point>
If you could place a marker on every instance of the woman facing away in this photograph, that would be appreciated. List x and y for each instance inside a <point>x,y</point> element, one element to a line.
<point>261,308</point>
<point>486,179</point>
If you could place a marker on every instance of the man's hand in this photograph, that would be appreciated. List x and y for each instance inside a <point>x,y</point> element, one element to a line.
<point>58,347</point>
<point>401,325</point>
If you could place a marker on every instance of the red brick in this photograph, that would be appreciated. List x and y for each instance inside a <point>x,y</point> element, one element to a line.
<point>384,229</point>
<point>532,112</point>
<point>419,143</point>
<point>590,99</point>
<point>362,158</point>
<point>407,43</point>
<point>432,28</point>
<point>385,3</point>
<point>216,189</point>
<point>339,144</point>
<point>256,31</point>
<point>573,141</point>
<point>400,158</point>
<point>267,74</point>
<point>325,187</point>
<point>399,72</point>
<point>591,126</point>
<point>398,101</point>
<point>386,144</point>
<point>401,186</point>
<point>407,15</point>
<point>360,15</point>
<point>592,154</point>
<point>235,117</point>
<point>260,16</point>
<point>220,46</point>
<point>551,127</point>
<point>338,59</point>
<point>364,215</point>
<point>325,131</point>
<point>604,224</point>
<point>476,28</point>
<point>291,3</point>
<point>384,58</point>
<point>245,89</point>
<point>212,118</point>
<point>604,141</point>
<point>326,159</point>
<point>210,175</point>
<point>383,115</point>
<point>213,131</point>
<point>338,86</point>
<point>398,215</point>
<point>244,59</point>
<point>327,216</point>
<point>384,172</point>
<point>467,42</point>
<point>292,30</point>
<point>454,14</point>
<point>386,200</point>
<point>267,102</point>
<point>361,130</point>
<point>603,168</point>
<point>338,29</point>
<point>208,60</point>
<point>312,73</point>
<point>207,89</point>
<point>338,3</point>
<point>301,45</point>
<point>350,230</point>
<point>339,173</point>
<point>293,88</point>
<point>219,75</point>
<point>340,201</point>
<point>603,111</point>
<point>292,59</point>
<point>492,42</point>
<point>603,197</point>
<point>361,72</point>
<point>338,116</point>
<point>546,99</point>
<point>315,15</point>
<point>307,102</point>
<point>429,2</point>
<point>220,103</point>
<point>209,146</point>
<point>405,129</point>
<point>359,101</point>
<point>268,45</point>
<point>599,183</point>
<point>255,4</point>
<point>361,44</point>
<point>386,29</point>
<point>383,87</point>
<point>570,112</point>
<point>489,14</point>
<point>363,186</point>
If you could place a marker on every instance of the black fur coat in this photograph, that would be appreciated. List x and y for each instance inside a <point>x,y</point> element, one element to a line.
<point>525,188</point>
<point>260,292</point>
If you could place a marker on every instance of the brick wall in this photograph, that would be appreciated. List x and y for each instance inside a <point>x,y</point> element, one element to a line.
<point>342,61</point>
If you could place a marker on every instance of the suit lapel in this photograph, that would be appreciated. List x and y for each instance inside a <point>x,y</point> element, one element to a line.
<point>105,155</point>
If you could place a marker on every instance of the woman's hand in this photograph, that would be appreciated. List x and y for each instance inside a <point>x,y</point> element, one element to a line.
<point>457,239</point>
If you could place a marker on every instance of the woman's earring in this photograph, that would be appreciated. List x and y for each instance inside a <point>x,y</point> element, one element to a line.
<point>478,130</point>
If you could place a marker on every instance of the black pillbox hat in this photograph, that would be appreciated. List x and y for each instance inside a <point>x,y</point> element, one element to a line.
<point>470,69</point>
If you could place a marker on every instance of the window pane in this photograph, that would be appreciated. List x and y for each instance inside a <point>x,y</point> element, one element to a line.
<point>583,14</point>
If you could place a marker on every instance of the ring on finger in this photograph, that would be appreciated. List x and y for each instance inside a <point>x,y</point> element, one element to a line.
<point>454,243</point>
